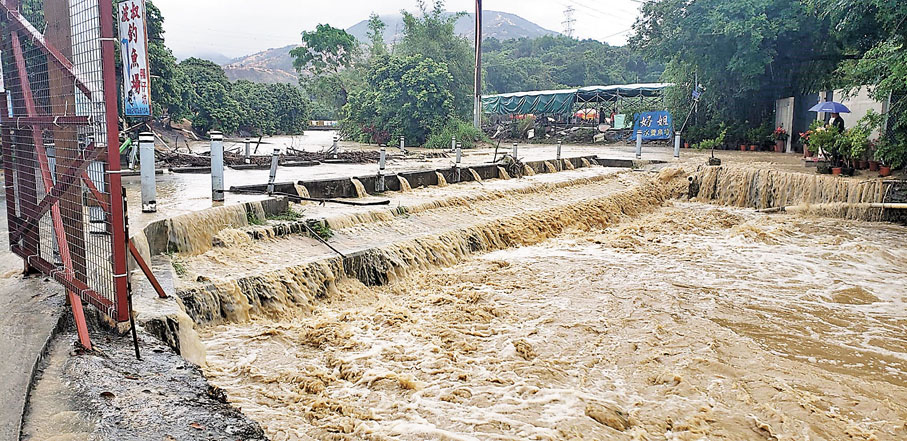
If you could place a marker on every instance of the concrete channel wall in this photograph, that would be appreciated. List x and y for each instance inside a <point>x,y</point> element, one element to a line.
<point>344,188</point>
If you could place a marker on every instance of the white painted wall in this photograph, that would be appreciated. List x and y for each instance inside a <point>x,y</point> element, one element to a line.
<point>859,104</point>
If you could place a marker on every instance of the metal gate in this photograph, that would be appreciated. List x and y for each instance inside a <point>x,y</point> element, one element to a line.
<point>60,149</point>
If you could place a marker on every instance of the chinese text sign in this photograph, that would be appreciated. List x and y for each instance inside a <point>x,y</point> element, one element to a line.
<point>134,51</point>
<point>654,125</point>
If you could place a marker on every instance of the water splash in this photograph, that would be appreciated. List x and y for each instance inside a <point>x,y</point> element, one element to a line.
<point>586,162</point>
<point>550,167</point>
<point>475,175</point>
<point>502,174</point>
<point>568,165</point>
<point>404,184</point>
<point>528,171</point>
<point>192,233</point>
<point>442,182</point>
<point>359,188</point>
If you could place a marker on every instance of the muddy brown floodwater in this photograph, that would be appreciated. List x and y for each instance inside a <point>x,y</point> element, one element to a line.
<point>691,322</point>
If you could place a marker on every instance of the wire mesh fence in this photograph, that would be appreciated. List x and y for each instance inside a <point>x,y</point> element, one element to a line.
<point>60,147</point>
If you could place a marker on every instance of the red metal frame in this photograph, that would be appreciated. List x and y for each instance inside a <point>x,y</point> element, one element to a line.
<point>35,186</point>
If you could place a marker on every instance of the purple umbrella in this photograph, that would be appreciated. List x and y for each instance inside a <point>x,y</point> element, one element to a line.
<point>830,107</point>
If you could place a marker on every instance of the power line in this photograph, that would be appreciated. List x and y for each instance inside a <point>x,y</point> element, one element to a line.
<point>569,21</point>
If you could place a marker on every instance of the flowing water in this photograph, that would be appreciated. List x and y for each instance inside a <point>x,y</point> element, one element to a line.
<point>360,189</point>
<point>502,174</point>
<point>568,165</point>
<point>550,167</point>
<point>302,191</point>
<point>475,176</point>
<point>528,171</point>
<point>442,182</point>
<point>404,184</point>
<point>687,322</point>
<point>586,162</point>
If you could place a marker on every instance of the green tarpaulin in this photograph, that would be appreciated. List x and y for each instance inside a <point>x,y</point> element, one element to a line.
<point>562,101</point>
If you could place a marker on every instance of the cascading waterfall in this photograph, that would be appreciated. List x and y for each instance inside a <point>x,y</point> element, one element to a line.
<point>763,189</point>
<point>586,162</point>
<point>192,233</point>
<point>442,182</point>
<point>360,189</point>
<point>528,171</point>
<point>502,174</point>
<point>568,165</point>
<point>475,176</point>
<point>302,191</point>
<point>276,292</point>
<point>550,167</point>
<point>404,184</point>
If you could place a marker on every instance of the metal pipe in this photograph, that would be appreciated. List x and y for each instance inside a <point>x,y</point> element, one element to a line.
<point>559,145</point>
<point>677,145</point>
<point>833,205</point>
<point>639,144</point>
<point>146,158</point>
<point>217,166</point>
<point>275,160</point>
<point>459,159</point>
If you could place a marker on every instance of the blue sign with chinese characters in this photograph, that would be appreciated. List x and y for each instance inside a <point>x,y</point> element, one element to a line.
<point>654,125</point>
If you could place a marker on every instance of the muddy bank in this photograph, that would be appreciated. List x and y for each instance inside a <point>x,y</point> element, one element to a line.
<point>107,394</point>
<point>688,323</point>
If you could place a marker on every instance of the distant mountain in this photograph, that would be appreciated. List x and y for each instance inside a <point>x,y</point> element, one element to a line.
<point>495,24</point>
<point>276,65</point>
<point>270,66</point>
<point>210,56</point>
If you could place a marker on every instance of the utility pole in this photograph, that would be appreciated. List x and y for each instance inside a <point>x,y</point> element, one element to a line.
<point>477,103</point>
<point>569,21</point>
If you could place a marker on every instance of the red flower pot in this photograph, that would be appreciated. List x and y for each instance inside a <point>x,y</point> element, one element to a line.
<point>742,147</point>
<point>884,170</point>
<point>686,145</point>
<point>873,165</point>
<point>836,171</point>
<point>753,147</point>
<point>779,146</point>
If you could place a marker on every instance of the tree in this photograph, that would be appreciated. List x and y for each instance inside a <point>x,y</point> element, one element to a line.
<point>208,97</point>
<point>405,96</point>
<point>376,36</point>
<point>269,109</point>
<point>326,50</point>
<point>432,36</point>
<point>746,53</point>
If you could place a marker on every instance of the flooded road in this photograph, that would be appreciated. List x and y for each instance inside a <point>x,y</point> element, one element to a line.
<point>691,322</point>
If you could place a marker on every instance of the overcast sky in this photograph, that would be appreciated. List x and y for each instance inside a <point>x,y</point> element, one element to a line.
<point>241,27</point>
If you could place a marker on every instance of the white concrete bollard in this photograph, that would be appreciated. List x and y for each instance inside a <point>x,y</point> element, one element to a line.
<point>639,144</point>
<point>459,159</point>
<point>453,142</point>
<point>515,150</point>
<point>275,160</point>
<point>217,166</point>
<point>149,186</point>
<point>248,153</point>
<point>335,146</point>
<point>382,162</point>
<point>677,145</point>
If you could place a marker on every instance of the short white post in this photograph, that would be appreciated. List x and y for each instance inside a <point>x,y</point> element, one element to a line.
<point>559,145</point>
<point>335,146</point>
<point>677,145</point>
<point>146,157</point>
<point>453,142</point>
<point>248,155</point>
<point>275,160</point>
<point>639,144</point>
<point>515,150</point>
<point>382,161</point>
<point>459,159</point>
<point>217,166</point>
<point>403,144</point>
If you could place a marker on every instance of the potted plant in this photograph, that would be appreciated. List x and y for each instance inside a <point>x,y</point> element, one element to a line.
<point>870,153</point>
<point>890,155</point>
<point>780,136</point>
<point>825,141</point>
<point>711,144</point>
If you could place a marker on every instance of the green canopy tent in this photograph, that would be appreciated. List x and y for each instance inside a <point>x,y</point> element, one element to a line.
<point>565,101</point>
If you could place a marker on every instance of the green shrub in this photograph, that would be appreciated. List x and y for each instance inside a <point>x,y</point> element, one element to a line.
<point>466,135</point>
